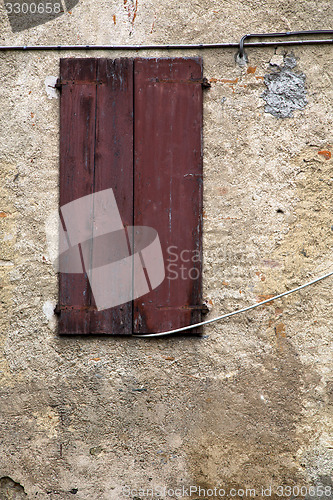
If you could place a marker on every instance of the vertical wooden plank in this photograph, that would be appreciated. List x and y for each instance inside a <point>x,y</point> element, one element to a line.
<point>114,165</point>
<point>168,185</point>
<point>77,145</point>
<point>96,154</point>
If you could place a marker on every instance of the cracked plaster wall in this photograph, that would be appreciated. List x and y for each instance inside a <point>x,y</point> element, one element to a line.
<point>250,403</point>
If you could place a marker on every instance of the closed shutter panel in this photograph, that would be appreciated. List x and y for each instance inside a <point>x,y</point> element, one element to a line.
<point>153,163</point>
<point>168,186</point>
<point>96,153</point>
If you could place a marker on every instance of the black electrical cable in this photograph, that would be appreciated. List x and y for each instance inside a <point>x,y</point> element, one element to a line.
<point>239,45</point>
<point>241,52</point>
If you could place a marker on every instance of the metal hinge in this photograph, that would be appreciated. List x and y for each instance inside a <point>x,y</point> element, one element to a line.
<point>58,308</point>
<point>58,84</point>
<point>205,83</point>
<point>203,308</point>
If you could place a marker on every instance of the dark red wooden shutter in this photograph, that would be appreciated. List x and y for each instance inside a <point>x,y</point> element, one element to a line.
<point>161,187</point>
<point>168,185</point>
<point>96,153</point>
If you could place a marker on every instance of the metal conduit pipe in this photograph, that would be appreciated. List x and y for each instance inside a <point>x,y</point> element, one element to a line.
<point>240,46</point>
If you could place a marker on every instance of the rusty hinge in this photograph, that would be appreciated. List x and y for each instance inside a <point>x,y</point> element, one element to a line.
<point>58,308</point>
<point>60,83</point>
<point>201,307</point>
<point>204,81</point>
<point>204,309</point>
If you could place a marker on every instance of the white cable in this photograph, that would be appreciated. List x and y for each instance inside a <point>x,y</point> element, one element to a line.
<point>238,311</point>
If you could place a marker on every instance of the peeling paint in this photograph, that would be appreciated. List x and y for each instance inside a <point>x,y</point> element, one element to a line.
<point>48,310</point>
<point>51,91</point>
<point>6,263</point>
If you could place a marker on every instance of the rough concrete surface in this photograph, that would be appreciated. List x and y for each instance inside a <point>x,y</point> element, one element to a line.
<point>285,89</point>
<point>248,404</point>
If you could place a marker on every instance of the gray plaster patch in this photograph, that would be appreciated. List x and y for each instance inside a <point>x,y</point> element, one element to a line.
<point>318,464</point>
<point>322,488</point>
<point>285,89</point>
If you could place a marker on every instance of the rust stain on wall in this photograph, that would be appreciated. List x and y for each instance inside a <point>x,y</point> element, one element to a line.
<point>265,296</point>
<point>131,6</point>
<point>326,154</point>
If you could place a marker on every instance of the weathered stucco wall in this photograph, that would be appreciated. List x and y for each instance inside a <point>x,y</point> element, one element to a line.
<point>249,404</point>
